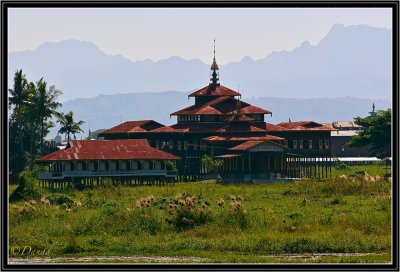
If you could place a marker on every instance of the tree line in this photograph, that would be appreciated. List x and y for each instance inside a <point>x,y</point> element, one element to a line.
<point>34,106</point>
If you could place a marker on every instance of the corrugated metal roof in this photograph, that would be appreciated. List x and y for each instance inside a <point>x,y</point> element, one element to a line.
<point>344,133</point>
<point>305,125</point>
<point>108,149</point>
<point>215,90</point>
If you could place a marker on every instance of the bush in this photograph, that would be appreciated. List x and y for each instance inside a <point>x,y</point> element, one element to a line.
<point>342,166</point>
<point>26,189</point>
<point>60,199</point>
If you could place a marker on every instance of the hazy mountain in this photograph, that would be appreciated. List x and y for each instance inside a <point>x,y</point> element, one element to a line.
<point>106,111</point>
<point>354,60</point>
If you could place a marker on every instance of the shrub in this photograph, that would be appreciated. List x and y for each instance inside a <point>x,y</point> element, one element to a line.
<point>342,166</point>
<point>26,189</point>
<point>60,199</point>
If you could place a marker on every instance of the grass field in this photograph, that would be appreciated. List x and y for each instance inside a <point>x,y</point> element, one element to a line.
<point>257,223</point>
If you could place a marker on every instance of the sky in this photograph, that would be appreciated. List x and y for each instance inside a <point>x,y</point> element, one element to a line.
<point>159,33</point>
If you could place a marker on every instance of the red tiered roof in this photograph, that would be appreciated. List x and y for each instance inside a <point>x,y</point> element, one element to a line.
<point>254,110</point>
<point>203,109</point>
<point>108,150</point>
<point>214,90</point>
<point>305,126</point>
<point>249,144</point>
<point>246,145</point>
<point>134,126</point>
<point>251,138</point>
<point>238,118</point>
<point>220,106</point>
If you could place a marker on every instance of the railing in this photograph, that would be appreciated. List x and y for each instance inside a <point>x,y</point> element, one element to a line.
<point>63,174</point>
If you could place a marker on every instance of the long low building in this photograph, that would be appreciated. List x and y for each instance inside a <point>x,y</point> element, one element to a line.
<point>107,158</point>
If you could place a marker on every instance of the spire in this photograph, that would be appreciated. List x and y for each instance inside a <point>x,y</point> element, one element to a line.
<point>214,70</point>
<point>373,113</point>
<point>238,107</point>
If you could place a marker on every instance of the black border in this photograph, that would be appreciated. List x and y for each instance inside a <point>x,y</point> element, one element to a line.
<point>394,5</point>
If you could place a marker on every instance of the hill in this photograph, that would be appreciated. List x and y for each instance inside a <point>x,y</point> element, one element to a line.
<point>353,60</point>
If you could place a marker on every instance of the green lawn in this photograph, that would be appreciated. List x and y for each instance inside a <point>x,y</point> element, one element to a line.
<point>263,223</point>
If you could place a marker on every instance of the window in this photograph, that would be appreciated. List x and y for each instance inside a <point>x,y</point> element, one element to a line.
<point>171,144</point>
<point>158,144</point>
<point>301,144</point>
<point>294,144</point>
<point>326,144</point>
<point>185,145</point>
<point>309,144</point>
<point>179,145</point>
<point>320,144</point>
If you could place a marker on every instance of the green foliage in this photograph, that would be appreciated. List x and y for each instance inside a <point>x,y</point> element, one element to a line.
<point>342,166</point>
<point>377,135</point>
<point>33,105</point>
<point>212,165</point>
<point>68,125</point>
<point>26,189</point>
<point>171,166</point>
<point>60,199</point>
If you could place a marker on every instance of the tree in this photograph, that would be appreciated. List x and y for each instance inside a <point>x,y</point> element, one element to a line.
<point>68,125</point>
<point>45,104</point>
<point>212,165</point>
<point>377,134</point>
<point>18,99</point>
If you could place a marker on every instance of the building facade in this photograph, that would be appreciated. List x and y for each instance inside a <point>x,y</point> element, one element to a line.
<point>124,160</point>
<point>220,125</point>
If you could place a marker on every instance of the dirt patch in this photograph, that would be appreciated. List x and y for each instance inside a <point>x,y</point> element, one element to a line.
<point>97,259</point>
<point>318,255</point>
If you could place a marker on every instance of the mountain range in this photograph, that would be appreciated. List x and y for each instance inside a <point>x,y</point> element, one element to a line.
<point>349,61</point>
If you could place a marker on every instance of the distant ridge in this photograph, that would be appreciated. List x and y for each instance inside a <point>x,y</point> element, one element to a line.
<point>106,111</point>
<point>353,60</point>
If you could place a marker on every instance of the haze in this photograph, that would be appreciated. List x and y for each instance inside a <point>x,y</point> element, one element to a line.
<point>156,34</point>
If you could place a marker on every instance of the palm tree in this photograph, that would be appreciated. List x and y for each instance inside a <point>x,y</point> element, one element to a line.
<point>68,125</point>
<point>18,98</point>
<point>46,105</point>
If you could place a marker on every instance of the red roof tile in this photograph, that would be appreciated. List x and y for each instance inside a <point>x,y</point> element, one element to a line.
<point>108,149</point>
<point>214,90</point>
<point>249,144</point>
<point>199,109</point>
<point>134,126</point>
<point>254,110</point>
<point>164,129</point>
<point>305,126</point>
<point>228,156</point>
<point>240,128</point>
<point>251,138</point>
<point>272,127</point>
<point>246,145</point>
<point>238,118</point>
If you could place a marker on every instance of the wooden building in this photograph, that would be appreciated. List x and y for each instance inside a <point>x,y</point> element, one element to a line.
<point>128,161</point>
<point>220,125</point>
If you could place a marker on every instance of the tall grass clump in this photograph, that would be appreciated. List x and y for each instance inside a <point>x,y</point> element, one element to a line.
<point>26,189</point>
